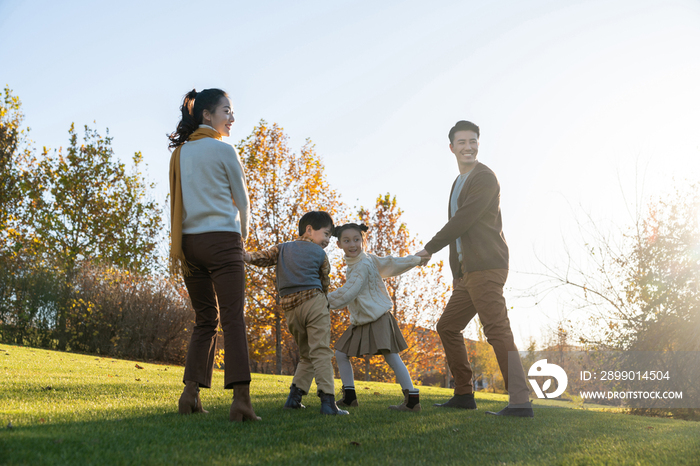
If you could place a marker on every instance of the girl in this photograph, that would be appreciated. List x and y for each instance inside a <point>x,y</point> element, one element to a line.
<point>209,215</point>
<point>373,329</point>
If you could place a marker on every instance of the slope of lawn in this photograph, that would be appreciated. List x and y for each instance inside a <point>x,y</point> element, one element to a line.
<point>65,408</point>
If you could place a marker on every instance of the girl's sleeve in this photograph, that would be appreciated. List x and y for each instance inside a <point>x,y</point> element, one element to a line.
<point>354,282</point>
<point>390,266</point>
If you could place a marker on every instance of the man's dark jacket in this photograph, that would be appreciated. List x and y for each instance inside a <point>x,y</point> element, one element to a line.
<point>478,222</point>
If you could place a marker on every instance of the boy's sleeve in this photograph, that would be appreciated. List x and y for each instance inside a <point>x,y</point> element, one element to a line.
<point>266,257</point>
<point>391,266</point>
<point>354,283</point>
<point>325,272</point>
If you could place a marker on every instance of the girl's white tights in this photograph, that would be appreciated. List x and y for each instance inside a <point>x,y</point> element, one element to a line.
<point>393,359</point>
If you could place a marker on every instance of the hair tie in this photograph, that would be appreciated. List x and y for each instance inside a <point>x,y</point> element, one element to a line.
<point>362,228</point>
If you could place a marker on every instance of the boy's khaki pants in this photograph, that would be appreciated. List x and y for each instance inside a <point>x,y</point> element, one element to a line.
<point>310,325</point>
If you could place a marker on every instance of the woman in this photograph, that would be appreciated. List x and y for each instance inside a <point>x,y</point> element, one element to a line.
<point>207,233</point>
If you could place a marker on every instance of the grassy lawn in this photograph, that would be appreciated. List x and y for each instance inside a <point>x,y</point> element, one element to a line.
<point>74,409</point>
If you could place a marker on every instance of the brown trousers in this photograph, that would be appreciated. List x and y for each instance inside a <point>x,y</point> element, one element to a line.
<point>310,325</point>
<point>481,292</point>
<point>217,290</point>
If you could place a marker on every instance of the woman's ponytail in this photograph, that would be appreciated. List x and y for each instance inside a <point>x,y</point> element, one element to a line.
<point>193,105</point>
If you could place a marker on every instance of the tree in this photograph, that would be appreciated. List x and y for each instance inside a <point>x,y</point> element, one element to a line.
<point>12,139</point>
<point>85,206</point>
<point>283,185</point>
<point>640,284</point>
<point>484,363</point>
<point>662,273</point>
<point>26,291</point>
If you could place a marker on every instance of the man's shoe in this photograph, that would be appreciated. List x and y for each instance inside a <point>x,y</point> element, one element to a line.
<point>465,401</point>
<point>514,412</point>
<point>294,398</point>
<point>328,405</point>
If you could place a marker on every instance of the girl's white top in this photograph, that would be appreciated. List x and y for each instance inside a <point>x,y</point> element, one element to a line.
<point>214,193</point>
<point>364,292</point>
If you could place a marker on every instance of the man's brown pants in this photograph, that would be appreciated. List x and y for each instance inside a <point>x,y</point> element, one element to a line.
<point>481,292</point>
<point>218,277</point>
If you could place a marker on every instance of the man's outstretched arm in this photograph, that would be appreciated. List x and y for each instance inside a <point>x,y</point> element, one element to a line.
<point>483,191</point>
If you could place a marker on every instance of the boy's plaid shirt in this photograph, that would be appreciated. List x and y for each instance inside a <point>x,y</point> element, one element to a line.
<point>269,257</point>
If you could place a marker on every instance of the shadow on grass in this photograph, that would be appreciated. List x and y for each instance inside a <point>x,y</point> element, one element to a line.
<point>371,434</point>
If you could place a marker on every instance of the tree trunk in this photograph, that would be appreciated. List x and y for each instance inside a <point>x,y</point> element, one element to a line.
<point>448,374</point>
<point>63,308</point>
<point>278,342</point>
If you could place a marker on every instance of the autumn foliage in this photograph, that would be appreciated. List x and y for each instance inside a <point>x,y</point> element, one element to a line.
<point>78,258</point>
<point>283,185</point>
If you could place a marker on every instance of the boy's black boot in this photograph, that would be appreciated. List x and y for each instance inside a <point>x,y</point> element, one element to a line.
<point>465,401</point>
<point>349,398</point>
<point>328,405</point>
<point>294,398</point>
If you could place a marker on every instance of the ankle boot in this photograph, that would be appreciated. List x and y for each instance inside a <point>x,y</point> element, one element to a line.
<point>294,398</point>
<point>411,402</point>
<point>328,405</point>
<point>349,398</point>
<point>189,400</point>
<point>465,401</point>
<point>241,408</point>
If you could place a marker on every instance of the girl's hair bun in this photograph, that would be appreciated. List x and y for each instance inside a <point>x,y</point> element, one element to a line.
<point>362,228</point>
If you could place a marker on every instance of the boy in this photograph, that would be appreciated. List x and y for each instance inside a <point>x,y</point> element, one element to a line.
<point>302,283</point>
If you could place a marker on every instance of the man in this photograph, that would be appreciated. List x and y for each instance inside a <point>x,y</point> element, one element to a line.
<point>479,263</point>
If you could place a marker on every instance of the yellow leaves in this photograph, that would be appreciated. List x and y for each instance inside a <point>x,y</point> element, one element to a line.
<point>219,359</point>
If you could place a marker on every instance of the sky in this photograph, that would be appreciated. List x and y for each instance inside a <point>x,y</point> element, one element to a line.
<point>581,104</point>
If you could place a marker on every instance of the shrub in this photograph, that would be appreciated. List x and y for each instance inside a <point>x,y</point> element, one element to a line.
<point>29,293</point>
<point>109,311</point>
<point>121,313</point>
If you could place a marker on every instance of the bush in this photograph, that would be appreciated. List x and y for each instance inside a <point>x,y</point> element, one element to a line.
<point>108,311</point>
<point>120,313</point>
<point>29,294</point>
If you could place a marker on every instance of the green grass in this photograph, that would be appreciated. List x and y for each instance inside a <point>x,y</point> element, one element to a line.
<point>68,408</point>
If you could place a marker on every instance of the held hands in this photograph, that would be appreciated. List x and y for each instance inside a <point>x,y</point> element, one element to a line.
<point>425,256</point>
<point>246,256</point>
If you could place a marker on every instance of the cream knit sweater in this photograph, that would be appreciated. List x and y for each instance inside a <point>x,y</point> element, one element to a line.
<point>214,193</point>
<point>364,292</point>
